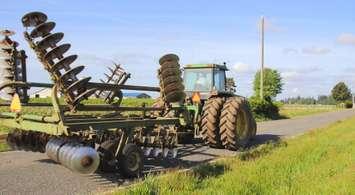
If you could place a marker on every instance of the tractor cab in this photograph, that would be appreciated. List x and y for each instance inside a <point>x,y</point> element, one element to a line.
<point>206,79</point>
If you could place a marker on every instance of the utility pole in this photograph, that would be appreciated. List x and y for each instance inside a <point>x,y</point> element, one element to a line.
<point>262,58</point>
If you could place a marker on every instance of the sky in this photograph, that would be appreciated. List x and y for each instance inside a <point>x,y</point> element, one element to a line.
<point>311,43</point>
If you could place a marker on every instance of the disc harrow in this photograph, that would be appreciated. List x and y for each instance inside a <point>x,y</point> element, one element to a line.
<point>12,65</point>
<point>110,135</point>
<point>28,140</point>
<point>52,55</point>
<point>117,76</point>
<point>158,143</point>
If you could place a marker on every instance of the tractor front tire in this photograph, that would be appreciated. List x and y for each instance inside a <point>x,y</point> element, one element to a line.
<point>210,122</point>
<point>237,124</point>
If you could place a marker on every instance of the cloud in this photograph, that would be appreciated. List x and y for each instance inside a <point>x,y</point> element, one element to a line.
<point>290,75</point>
<point>315,50</point>
<point>298,74</point>
<point>240,67</point>
<point>295,90</point>
<point>346,39</point>
<point>289,51</point>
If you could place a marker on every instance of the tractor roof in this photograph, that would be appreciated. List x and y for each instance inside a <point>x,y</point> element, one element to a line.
<point>198,66</point>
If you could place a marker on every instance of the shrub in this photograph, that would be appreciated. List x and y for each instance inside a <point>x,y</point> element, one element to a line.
<point>348,104</point>
<point>264,108</point>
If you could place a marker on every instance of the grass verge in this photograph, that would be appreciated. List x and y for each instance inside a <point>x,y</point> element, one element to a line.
<point>319,162</point>
<point>4,147</point>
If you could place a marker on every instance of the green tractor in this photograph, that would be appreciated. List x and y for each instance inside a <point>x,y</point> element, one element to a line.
<point>220,117</point>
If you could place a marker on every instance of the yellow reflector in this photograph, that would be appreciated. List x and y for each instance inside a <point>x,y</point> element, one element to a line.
<point>15,104</point>
<point>196,98</point>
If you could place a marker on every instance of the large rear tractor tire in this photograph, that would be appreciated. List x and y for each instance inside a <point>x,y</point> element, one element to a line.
<point>237,124</point>
<point>210,122</point>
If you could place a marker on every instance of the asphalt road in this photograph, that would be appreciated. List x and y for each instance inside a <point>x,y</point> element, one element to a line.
<point>33,173</point>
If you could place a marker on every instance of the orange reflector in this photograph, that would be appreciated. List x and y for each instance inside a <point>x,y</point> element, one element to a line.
<point>196,98</point>
<point>15,104</point>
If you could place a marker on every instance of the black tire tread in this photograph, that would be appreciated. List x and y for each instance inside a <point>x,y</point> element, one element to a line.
<point>210,122</point>
<point>233,108</point>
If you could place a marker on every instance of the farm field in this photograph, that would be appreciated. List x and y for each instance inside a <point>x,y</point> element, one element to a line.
<point>292,111</point>
<point>319,162</point>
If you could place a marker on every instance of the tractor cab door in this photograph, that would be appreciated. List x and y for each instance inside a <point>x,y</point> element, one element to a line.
<point>219,80</point>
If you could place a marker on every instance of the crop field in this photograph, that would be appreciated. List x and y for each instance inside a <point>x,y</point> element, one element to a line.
<point>292,111</point>
<point>319,162</point>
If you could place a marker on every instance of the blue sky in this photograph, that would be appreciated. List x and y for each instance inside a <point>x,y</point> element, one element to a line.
<point>312,43</point>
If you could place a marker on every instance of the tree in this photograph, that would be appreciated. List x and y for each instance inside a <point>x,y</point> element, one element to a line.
<point>341,92</point>
<point>272,83</point>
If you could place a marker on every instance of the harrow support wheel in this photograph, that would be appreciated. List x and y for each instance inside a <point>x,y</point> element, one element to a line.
<point>210,122</point>
<point>106,151</point>
<point>237,124</point>
<point>131,161</point>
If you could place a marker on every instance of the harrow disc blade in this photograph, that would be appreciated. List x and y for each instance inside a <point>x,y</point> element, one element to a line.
<point>4,54</point>
<point>9,69</point>
<point>9,77</point>
<point>174,152</point>
<point>168,57</point>
<point>57,52</point>
<point>50,40</point>
<point>33,19</point>
<point>157,152</point>
<point>63,63</point>
<point>83,96</point>
<point>79,84</point>
<point>7,33</point>
<point>42,30</point>
<point>4,64</point>
<point>8,46</point>
<point>71,72</point>
<point>165,152</point>
<point>147,151</point>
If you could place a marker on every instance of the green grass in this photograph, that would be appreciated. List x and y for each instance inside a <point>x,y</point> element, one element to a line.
<point>304,110</point>
<point>4,147</point>
<point>319,162</point>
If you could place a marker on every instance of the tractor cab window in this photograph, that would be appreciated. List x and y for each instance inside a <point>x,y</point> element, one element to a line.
<point>219,80</point>
<point>198,79</point>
